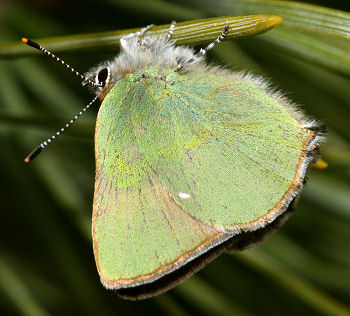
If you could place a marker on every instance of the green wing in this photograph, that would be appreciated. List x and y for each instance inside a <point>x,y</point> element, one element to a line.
<point>183,162</point>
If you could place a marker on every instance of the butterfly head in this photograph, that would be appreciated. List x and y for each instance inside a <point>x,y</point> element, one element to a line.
<point>137,55</point>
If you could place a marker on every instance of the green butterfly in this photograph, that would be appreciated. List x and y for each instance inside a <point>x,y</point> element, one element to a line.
<point>191,160</point>
<point>188,156</point>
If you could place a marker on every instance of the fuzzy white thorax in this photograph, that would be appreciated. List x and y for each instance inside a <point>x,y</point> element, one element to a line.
<point>139,53</point>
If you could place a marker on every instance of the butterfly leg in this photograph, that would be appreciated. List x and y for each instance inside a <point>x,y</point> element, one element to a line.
<point>203,51</point>
<point>171,29</point>
<point>140,32</point>
<point>123,43</point>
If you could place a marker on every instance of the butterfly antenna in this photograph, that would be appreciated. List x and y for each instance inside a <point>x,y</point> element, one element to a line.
<point>48,53</point>
<point>37,150</point>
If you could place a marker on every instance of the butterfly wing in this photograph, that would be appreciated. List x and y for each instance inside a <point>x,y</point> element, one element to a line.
<point>247,154</point>
<point>183,163</point>
<point>140,232</point>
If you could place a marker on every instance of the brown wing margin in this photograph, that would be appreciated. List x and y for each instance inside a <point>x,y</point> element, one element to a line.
<point>235,243</point>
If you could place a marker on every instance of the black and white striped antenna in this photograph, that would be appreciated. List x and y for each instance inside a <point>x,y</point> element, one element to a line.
<point>37,150</point>
<point>48,53</point>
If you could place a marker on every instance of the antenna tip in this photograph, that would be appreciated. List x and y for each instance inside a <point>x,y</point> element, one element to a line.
<point>37,150</point>
<point>31,43</point>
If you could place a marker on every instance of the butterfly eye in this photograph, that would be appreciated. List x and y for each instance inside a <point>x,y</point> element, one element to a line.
<point>102,76</point>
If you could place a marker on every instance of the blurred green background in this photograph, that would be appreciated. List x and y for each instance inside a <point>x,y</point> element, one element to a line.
<point>46,260</point>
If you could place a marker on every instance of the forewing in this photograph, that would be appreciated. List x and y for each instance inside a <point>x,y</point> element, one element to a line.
<point>183,162</point>
<point>140,232</point>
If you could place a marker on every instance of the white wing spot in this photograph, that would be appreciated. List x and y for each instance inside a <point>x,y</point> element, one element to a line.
<point>183,195</point>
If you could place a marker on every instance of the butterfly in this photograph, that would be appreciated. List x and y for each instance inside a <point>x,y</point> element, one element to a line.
<point>192,160</point>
